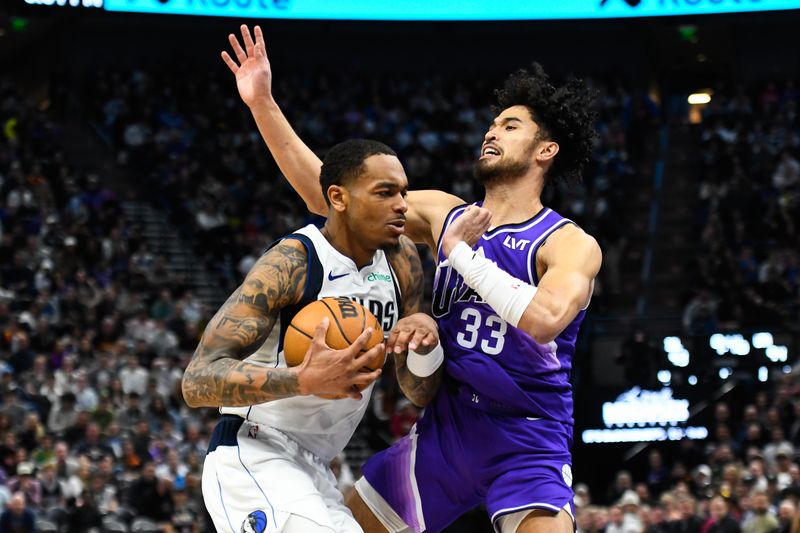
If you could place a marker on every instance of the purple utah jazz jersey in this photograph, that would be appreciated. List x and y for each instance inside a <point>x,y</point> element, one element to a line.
<point>497,360</point>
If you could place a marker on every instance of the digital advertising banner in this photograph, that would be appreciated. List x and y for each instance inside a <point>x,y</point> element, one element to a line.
<point>428,10</point>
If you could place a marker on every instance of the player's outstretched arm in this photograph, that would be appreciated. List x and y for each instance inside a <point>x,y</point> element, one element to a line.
<point>415,331</point>
<point>254,80</point>
<point>218,376</point>
<point>300,165</point>
<point>570,259</point>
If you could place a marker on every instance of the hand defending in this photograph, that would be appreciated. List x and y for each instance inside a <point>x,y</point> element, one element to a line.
<point>253,71</point>
<point>468,228</point>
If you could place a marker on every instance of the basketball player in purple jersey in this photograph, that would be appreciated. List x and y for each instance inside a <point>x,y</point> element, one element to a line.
<point>509,300</point>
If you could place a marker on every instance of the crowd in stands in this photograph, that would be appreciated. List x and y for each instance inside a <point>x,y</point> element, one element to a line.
<point>93,341</point>
<point>747,269</point>
<point>194,145</point>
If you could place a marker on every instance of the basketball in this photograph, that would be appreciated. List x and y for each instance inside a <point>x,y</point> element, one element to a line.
<point>348,319</point>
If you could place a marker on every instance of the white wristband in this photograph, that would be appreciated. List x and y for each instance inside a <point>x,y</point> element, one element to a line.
<point>424,365</point>
<point>507,295</point>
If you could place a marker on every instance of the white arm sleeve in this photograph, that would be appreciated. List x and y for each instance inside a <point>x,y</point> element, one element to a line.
<point>507,295</point>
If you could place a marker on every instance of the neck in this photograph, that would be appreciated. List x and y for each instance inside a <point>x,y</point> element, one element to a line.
<point>342,240</point>
<point>514,200</point>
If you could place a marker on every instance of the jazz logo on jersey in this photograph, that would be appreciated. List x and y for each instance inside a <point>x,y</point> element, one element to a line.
<point>449,287</point>
<point>253,432</point>
<point>256,522</point>
<point>515,244</point>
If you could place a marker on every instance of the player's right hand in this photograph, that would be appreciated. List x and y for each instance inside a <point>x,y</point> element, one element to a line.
<point>253,71</point>
<point>469,227</point>
<point>337,373</point>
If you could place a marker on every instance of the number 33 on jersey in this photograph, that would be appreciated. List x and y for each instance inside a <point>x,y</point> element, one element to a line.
<point>481,348</point>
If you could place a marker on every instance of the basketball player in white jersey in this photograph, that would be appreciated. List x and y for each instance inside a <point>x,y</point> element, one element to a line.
<point>267,468</point>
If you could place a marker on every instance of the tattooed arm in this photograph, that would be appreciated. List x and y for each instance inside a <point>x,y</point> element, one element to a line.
<point>217,374</point>
<point>415,329</point>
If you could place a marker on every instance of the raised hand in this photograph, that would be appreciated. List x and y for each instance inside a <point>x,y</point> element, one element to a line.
<point>252,68</point>
<point>337,373</point>
<point>469,227</point>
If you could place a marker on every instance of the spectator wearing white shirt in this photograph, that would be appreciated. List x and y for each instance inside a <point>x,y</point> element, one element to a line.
<point>133,376</point>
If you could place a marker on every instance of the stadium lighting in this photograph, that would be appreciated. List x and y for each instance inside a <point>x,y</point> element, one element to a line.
<point>763,374</point>
<point>762,339</point>
<point>664,376</point>
<point>692,380</point>
<point>777,354</point>
<point>699,98</point>
<point>724,373</point>
<point>676,353</point>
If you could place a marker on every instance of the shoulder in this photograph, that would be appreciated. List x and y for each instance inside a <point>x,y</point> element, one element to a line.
<point>288,248</point>
<point>280,274</point>
<point>571,242</point>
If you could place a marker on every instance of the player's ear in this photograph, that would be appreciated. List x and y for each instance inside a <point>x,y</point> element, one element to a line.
<point>546,151</point>
<point>339,197</point>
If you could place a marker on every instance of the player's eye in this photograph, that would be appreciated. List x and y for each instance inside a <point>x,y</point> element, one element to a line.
<point>508,128</point>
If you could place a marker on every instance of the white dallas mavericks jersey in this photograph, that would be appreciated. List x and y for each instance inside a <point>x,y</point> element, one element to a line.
<point>324,426</point>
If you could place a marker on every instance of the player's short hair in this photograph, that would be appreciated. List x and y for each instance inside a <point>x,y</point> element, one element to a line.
<point>564,115</point>
<point>345,161</point>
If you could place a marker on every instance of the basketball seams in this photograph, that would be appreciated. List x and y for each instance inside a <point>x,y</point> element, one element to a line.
<point>301,332</point>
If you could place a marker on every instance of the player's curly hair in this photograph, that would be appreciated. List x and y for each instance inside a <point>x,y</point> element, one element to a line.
<point>564,114</point>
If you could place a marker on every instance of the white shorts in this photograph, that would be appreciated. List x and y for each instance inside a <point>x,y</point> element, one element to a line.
<point>255,478</point>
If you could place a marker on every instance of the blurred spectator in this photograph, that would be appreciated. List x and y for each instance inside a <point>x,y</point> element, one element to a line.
<point>150,496</point>
<point>134,377</point>
<point>17,518</point>
<point>639,359</point>
<point>25,483</point>
<point>763,519</point>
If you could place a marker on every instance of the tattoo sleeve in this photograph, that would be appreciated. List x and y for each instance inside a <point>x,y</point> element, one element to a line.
<point>407,265</point>
<point>217,375</point>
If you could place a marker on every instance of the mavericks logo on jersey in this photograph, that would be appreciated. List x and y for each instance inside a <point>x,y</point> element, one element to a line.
<point>256,522</point>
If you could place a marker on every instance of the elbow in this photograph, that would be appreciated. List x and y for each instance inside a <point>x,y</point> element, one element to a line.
<point>318,208</point>
<point>188,397</point>
<point>543,336</point>
<point>543,330</point>
<point>189,391</point>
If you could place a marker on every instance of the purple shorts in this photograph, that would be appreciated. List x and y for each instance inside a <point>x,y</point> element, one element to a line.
<point>464,452</point>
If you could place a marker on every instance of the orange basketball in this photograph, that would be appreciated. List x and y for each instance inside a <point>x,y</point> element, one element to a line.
<point>348,319</point>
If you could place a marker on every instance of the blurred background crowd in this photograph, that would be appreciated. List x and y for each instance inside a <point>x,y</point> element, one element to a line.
<point>132,201</point>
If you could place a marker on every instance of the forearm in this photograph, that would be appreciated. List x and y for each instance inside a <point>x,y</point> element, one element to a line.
<point>297,162</point>
<point>540,314</point>
<point>419,390</point>
<point>229,382</point>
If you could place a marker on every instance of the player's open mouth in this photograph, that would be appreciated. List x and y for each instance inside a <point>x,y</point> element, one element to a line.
<point>489,151</point>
